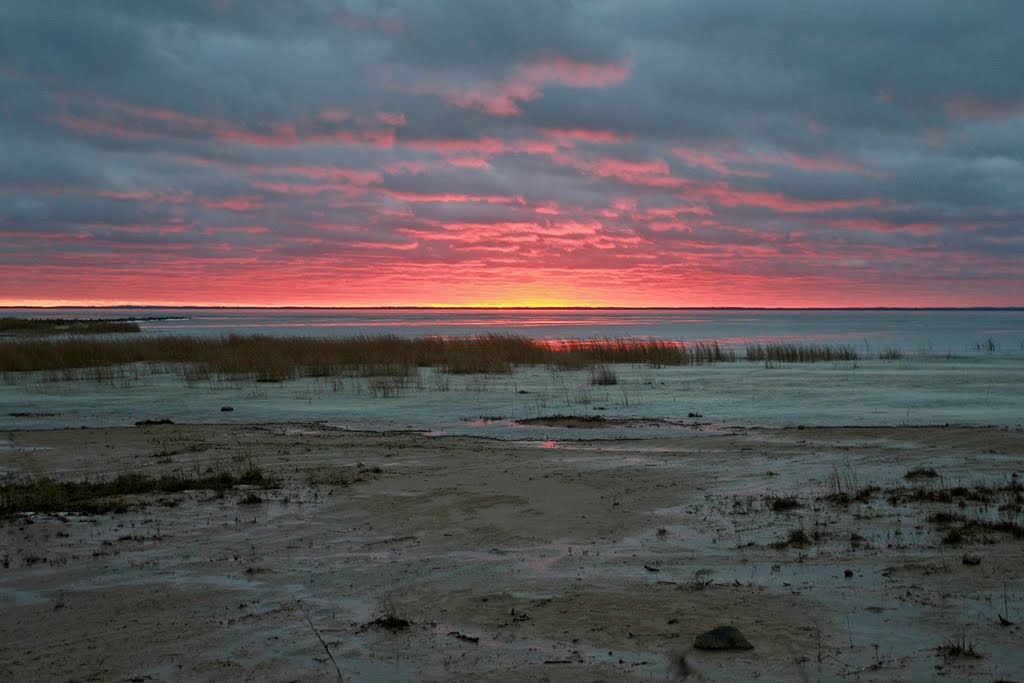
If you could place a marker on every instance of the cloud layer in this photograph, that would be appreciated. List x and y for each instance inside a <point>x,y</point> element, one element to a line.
<point>538,152</point>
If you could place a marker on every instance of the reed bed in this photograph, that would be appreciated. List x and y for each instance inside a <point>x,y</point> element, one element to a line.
<point>47,326</point>
<point>583,353</point>
<point>266,358</point>
<point>273,359</point>
<point>799,353</point>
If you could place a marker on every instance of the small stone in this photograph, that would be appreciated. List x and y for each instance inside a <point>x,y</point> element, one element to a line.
<point>848,573</point>
<point>226,409</point>
<point>722,638</point>
<point>971,560</point>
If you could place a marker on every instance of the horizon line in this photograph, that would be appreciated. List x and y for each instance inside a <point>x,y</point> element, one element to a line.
<point>521,308</point>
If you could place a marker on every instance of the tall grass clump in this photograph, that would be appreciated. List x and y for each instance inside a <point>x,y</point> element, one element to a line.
<point>891,353</point>
<point>582,353</point>
<point>799,353</point>
<point>603,375</point>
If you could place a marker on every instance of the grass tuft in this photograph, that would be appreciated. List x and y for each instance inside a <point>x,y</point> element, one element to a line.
<point>958,646</point>
<point>603,375</point>
<point>920,473</point>
<point>784,503</point>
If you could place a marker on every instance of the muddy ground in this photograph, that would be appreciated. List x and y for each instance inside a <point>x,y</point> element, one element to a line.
<point>404,556</point>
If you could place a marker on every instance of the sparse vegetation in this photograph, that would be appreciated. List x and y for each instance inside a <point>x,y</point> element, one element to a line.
<point>987,345</point>
<point>389,619</point>
<point>944,518</point>
<point>701,579</point>
<point>565,421</point>
<point>973,527</point>
<point>251,498</point>
<point>799,353</point>
<point>342,476</point>
<point>603,375</point>
<point>45,494</point>
<point>920,473</point>
<point>844,488</point>
<point>783,503</point>
<point>959,645</point>
<point>797,538</point>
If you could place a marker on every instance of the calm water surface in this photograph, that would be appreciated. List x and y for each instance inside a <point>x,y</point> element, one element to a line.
<point>934,331</point>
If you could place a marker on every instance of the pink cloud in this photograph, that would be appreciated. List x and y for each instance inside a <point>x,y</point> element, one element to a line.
<point>724,162</point>
<point>333,115</point>
<point>306,189</point>
<point>576,73</point>
<point>876,225</point>
<point>806,163</point>
<point>468,162</point>
<point>488,146</point>
<point>649,173</point>
<point>356,176</point>
<point>240,204</point>
<point>547,209</point>
<point>588,135</point>
<point>695,158</point>
<point>391,118</point>
<point>525,82</point>
<point>130,121</point>
<point>242,229</point>
<point>729,196</point>
<point>448,197</point>
<point>972,108</point>
<point>405,167</point>
<point>147,196</point>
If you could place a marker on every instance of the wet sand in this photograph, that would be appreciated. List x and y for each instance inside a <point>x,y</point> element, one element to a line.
<point>499,560</point>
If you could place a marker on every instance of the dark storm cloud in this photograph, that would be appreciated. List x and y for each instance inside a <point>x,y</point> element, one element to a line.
<point>780,134</point>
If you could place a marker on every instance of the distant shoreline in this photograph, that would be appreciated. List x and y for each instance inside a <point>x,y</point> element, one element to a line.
<point>514,308</point>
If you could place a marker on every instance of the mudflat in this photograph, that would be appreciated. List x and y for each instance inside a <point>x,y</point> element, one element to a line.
<point>869,553</point>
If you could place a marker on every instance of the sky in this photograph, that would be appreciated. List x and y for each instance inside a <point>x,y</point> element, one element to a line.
<point>527,153</point>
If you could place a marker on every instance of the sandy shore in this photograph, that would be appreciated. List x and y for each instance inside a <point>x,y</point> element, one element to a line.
<point>500,560</point>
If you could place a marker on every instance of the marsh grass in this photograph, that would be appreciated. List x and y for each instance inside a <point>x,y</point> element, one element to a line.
<point>918,473</point>
<point>971,528</point>
<point>959,646</point>
<point>46,326</point>
<point>274,359</point>
<point>101,496</point>
<point>891,353</point>
<point>783,503</point>
<point>844,488</point>
<point>603,375</point>
<point>799,353</point>
<point>796,538</point>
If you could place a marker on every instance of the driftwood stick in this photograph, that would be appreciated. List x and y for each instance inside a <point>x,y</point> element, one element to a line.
<point>318,637</point>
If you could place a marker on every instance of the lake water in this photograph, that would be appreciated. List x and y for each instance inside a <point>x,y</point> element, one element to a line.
<point>947,375</point>
<point>954,331</point>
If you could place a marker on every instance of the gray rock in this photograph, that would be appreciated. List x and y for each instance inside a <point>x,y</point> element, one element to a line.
<point>722,638</point>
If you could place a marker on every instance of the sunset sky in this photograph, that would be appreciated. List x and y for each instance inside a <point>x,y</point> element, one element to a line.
<point>429,152</point>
